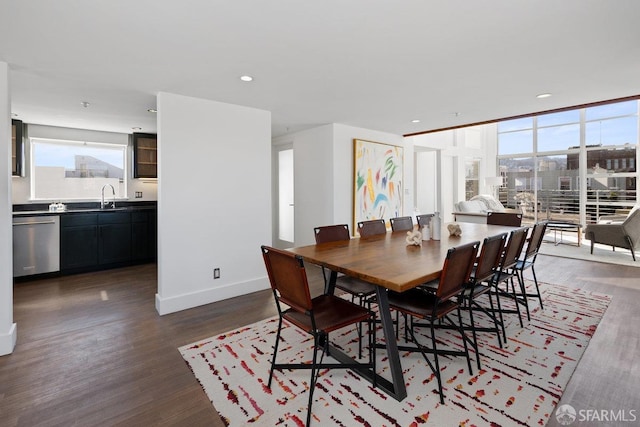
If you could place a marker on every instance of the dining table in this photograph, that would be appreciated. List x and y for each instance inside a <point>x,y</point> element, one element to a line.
<point>390,263</point>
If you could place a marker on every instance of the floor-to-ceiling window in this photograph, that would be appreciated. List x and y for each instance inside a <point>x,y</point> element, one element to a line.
<point>572,165</point>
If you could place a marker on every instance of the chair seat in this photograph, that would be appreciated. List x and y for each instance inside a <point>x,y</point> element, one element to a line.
<point>331,313</point>
<point>431,286</point>
<point>420,303</point>
<point>523,264</point>
<point>477,289</point>
<point>476,283</point>
<point>355,286</point>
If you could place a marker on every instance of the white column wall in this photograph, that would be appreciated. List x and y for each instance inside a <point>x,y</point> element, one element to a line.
<point>214,200</point>
<point>313,182</point>
<point>8,330</point>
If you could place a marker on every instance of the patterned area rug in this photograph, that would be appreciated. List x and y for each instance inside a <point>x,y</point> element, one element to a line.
<point>518,385</point>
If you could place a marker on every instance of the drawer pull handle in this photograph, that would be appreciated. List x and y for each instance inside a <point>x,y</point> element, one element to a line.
<point>33,223</point>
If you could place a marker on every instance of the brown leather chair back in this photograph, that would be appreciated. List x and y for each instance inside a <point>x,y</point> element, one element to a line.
<point>457,270</point>
<point>401,223</point>
<point>372,227</point>
<point>514,247</point>
<point>489,258</point>
<point>288,278</point>
<point>424,219</point>
<point>504,218</point>
<point>332,233</point>
<point>535,241</point>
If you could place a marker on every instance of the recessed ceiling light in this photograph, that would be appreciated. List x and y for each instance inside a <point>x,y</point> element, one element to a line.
<point>246,78</point>
<point>85,104</point>
<point>543,95</point>
<point>136,128</point>
<point>415,121</point>
<point>152,110</point>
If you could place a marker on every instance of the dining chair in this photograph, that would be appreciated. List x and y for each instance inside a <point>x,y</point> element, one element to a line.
<point>424,220</point>
<point>318,316</point>
<point>528,259</point>
<point>506,272</point>
<point>435,307</point>
<point>479,284</point>
<point>358,289</point>
<point>372,227</point>
<point>401,223</point>
<point>504,218</point>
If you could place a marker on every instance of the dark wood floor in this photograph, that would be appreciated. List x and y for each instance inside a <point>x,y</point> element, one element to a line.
<point>92,350</point>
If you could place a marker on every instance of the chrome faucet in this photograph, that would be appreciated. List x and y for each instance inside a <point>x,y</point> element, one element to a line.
<point>113,190</point>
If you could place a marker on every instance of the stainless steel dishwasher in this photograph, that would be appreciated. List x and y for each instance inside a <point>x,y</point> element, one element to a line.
<point>36,245</point>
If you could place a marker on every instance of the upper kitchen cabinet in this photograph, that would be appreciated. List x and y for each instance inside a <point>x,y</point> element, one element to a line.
<point>145,155</point>
<point>16,147</point>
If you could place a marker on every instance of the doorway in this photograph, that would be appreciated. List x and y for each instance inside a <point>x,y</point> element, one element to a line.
<point>427,180</point>
<point>284,197</point>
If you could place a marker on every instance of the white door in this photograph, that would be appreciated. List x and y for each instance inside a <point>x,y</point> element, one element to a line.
<point>285,211</point>
<point>427,181</point>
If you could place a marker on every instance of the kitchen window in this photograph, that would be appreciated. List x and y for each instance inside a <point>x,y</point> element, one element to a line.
<point>76,170</point>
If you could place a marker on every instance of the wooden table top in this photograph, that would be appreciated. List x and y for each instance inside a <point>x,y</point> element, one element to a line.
<point>388,261</point>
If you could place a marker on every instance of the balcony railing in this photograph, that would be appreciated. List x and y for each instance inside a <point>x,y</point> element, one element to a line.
<point>564,205</point>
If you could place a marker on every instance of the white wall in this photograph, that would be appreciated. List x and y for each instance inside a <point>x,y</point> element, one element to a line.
<point>343,168</point>
<point>323,163</point>
<point>214,200</point>
<point>8,330</point>
<point>21,185</point>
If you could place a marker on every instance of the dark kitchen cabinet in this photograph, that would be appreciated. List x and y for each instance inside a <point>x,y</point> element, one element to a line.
<point>145,155</point>
<point>114,237</point>
<point>140,236</point>
<point>100,240</point>
<point>16,147</point>
<point>153,234</point>
<point>78,241</point>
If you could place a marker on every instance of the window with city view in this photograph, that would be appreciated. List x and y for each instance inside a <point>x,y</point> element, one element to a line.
<point>471,179</point>
<point>76,170</point>
<point>572,165</point>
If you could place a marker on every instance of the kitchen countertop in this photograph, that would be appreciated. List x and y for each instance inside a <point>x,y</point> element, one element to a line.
<point>38,211</point>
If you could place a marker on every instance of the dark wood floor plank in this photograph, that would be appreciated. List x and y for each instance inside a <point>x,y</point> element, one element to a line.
<point>92,350</point>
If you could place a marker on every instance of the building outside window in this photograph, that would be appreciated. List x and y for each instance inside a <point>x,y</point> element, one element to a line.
<point>472,178</point>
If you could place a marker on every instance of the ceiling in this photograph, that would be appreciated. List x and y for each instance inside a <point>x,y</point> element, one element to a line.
<point>376,64</point>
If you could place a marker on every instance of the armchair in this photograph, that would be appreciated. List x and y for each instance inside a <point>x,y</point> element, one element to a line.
<point>622,235</point>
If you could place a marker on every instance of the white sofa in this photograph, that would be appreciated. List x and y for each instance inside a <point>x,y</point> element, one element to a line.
<point>477,210</point>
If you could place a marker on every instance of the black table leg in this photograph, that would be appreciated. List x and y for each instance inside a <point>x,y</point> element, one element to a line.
<point>398,389</point>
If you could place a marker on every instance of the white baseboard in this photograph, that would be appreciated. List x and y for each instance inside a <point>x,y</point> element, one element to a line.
<point>207,296</point>
<point>8,340</point>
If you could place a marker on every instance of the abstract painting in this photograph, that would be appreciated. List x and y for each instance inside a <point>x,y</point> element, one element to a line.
<point>377,181</point>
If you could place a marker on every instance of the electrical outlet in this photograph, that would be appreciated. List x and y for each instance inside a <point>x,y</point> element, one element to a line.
<point>138,194</point>
<point>216,273</point>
